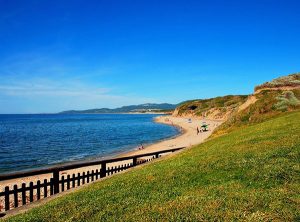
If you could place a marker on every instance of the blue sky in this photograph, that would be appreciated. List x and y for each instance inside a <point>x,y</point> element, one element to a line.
<point>59,55</point>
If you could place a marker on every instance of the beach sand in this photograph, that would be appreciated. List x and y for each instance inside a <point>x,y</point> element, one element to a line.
<point>187,138</point>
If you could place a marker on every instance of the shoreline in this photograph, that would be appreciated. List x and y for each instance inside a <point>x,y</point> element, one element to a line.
<point>146,146</point>
<point>186,138</point>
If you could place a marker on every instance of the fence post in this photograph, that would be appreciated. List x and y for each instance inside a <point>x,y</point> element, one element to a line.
<point>7,204</point>
<point>45,188</point>
<point>56,181</point>
<point>16,200</point>
<point>103,170</point>
<point>157,155</point>
<point>134,160</point>
<point>31,192</point>
<point>23,193</point>
<point>38,190</point>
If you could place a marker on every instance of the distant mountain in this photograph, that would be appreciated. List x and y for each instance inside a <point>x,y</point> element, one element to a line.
<point>142,108</point>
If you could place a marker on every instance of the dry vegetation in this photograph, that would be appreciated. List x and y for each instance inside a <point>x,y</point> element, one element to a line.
<point>215,108</point>
<point>292,80</point>
<point>269,104</point>
<point>285,98</point>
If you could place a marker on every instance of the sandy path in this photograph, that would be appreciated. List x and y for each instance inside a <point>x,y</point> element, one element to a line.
<point>251,100</point>
<point>188,138</point>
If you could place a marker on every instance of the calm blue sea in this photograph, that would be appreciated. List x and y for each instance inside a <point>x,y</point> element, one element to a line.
<point>30,141</point>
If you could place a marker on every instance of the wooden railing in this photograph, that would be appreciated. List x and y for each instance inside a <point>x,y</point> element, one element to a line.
<point>16,196</point>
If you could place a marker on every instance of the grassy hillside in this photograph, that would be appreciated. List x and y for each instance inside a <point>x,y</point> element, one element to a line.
<point>250,174</point>
<point>269,103</point>
<point>217,107</point>
<point>281,94</point>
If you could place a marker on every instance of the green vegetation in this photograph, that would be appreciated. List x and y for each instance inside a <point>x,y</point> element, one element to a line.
<point>290,80</point>
<point>250,174</point>
<point>270,103</point>
<point>201,107</point>
<point>286,100</point>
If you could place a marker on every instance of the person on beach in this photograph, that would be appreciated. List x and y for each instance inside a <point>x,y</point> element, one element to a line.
<point>198,131</point>
<point>141,147</point>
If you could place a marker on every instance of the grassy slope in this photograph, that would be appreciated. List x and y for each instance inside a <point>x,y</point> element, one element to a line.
<point>269,105</point>
<point>250,174</point>
<point>230,103</point>
<point>198,107</point>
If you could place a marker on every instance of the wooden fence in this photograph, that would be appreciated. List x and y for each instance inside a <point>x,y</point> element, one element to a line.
<point>16,196</point>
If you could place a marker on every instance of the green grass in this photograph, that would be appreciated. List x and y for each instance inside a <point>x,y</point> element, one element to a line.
<point>250,174</point>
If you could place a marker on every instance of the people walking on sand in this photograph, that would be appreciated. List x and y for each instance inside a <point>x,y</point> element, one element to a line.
<point>141,147</point>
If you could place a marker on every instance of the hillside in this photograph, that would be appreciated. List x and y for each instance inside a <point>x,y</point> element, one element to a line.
<point>269,99</point>
<point>219,108</point>
<point>148,107</point>
<point>283,83</point>
<point>250,174</point>
<point>268,103</point>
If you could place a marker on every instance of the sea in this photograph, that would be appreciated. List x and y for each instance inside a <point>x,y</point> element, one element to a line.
<point>32,141</point>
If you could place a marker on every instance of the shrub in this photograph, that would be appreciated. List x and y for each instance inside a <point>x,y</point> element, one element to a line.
<point>286,100</point>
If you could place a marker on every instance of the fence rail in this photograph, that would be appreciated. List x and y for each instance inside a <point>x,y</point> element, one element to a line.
<point>16,196</point>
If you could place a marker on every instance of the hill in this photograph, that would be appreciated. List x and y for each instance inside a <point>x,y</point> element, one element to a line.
<point>249,174</point>
<point>284,96</point>
<point>284,83</point>
<point>269,99</point>
<point>142,108</point>
<point>219,108</point>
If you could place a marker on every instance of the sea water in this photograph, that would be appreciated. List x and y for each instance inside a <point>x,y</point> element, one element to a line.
<point>30,141</point>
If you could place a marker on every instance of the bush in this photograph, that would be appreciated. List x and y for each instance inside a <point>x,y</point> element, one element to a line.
<point>286,100</point>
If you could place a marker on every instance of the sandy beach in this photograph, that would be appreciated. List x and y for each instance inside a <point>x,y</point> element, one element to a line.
<point>187,138</point>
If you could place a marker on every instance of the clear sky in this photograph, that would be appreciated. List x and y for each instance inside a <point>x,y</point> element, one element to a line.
<point>57,55</point>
